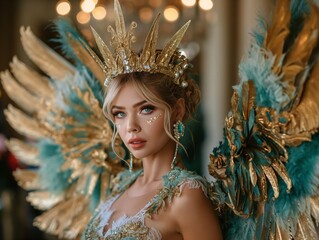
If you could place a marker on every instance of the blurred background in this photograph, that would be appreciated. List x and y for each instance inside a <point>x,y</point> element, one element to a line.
<point>218,37</point>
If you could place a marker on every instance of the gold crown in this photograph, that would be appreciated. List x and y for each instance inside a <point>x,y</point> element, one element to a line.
<point>168,61</point>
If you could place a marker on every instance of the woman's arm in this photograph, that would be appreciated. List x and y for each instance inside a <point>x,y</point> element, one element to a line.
<point>195,215</point>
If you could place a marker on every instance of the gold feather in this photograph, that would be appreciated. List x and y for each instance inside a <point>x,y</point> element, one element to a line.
<point>25,152</point>
<point>24,124</point>
<point>281,234</point>
<point>77,225</point>
<point>276,34</point>
<point>86,56</point>
<point>46,59</point>
<point>282,172</point>
<point>252,173</point>
<point>19,94</point>
<point>248,98</point>
<point>43,200</point>
<point>60,219</point>
<point>27,179</point>
<point>306,228</point>
<point>31,80</point>
<point>272,178</point>
<point>262,186</point>
<point>304,117</point>
<point>298,55</point>
<point>314,207</point>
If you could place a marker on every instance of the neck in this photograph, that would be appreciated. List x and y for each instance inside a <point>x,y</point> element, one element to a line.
<point>153,171</point>
<point>157,166</point>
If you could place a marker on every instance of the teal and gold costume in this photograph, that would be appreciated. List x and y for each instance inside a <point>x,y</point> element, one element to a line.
<point>266,168</point>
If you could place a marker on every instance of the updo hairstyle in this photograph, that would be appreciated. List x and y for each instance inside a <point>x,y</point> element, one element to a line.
<point>159,90</point>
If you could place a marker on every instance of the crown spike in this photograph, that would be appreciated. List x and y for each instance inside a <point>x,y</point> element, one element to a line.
<point>171,46</point>
<point>148,54</point>
<point>94,56</point>
<point>119,20</point>
<point>106,53</point>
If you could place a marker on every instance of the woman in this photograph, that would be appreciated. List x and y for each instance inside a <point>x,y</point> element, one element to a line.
<point>164,200</point>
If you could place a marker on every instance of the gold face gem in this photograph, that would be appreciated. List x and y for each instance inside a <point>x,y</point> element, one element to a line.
<point>153,119</point>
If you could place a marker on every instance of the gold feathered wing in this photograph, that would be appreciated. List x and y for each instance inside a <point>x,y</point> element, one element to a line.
<point>267,167</point>
<point>68,139</point>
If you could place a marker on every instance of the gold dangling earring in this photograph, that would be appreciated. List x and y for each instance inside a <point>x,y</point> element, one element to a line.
<point>131,162</point>
<point>179,130</point>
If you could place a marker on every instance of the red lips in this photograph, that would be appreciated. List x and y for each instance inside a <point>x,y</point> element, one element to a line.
<point>136,143</point>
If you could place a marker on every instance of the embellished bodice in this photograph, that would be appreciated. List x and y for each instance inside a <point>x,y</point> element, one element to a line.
<point>133,227</point>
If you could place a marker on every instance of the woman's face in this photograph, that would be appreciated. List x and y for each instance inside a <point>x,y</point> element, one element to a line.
<point>140,124</point>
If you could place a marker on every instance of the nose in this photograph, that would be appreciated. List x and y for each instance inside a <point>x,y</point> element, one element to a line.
<point>133,125</point>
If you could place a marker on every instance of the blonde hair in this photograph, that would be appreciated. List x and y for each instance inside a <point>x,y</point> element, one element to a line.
<point>157,89</point>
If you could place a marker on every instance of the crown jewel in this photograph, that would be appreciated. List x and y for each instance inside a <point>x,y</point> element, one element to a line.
<point>168,61</point>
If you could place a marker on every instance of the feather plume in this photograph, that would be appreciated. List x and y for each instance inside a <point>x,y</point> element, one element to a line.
<point>71,44</point>
<point>281,170</point>
<point>43,200</point>
<point>278,31</point>
<point>314,208</point>
<point>24,124</point>
<point>60,219</point>
<point>34,82</point>
<point>19,94</point>
<point>45,58</point>
<point>306,228</point>
<point>298,56</point>
<point>281,234</point>
<point>25,152</point>
<point>87,58</point>
<point>303,118</point>
<point>27,179</point>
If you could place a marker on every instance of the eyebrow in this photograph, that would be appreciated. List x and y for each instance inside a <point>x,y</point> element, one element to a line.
<point>135,105</point>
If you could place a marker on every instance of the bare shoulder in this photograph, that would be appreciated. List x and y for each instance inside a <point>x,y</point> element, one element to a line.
<point>195,215</point>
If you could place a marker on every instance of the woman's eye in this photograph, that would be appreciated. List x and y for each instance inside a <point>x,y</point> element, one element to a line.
<point>119,114</point>
<point>147,109</point>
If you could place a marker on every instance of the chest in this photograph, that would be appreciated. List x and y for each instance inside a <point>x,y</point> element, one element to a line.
<point>125,215</point>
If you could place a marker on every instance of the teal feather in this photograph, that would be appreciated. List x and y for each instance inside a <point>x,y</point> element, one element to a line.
<point>303,168</point>
<point>269,88</point>
<point>64,28</point>
<point>235,226</point>
<point>52,177</point>
<point>259,33</point>
<point>96,196</point>
<point>66,91</point>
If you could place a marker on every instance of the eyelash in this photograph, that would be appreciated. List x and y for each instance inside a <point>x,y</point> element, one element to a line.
<point>143,108</point>
<point>116,114</point>
<point>148,107</point>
